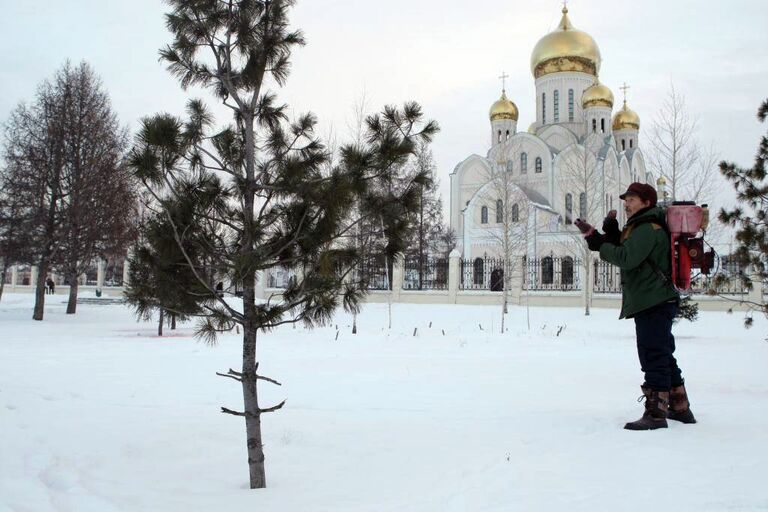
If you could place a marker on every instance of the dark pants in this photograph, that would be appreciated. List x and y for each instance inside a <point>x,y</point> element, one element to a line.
<point>655,346</point>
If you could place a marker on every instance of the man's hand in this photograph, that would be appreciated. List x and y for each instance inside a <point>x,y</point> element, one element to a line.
<point>583,226</point>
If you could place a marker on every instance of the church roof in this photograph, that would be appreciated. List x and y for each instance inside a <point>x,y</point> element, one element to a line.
<point>535,197</point>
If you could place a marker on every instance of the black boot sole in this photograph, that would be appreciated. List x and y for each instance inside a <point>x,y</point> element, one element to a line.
<point>645,426</point>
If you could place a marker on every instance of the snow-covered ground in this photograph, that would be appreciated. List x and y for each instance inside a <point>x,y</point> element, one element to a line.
<point>98,414</point>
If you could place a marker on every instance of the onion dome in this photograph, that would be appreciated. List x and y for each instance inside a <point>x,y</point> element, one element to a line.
<point>661,181</point>
<point>597,95</point>
<point>503,108</point>
<point>626,119</point>
<point>565,49</point>
<point>532,128</point>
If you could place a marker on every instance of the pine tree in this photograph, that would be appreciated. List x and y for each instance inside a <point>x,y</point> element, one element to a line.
<point>750,219</point>
<point>259,192</point>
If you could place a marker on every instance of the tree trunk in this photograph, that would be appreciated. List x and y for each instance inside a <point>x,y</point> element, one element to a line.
<point>354,323</point>
<point>73,286</point>
<point>160,323</point>
<point>42,272</point>
<point>258,476</point>
<point>173,321</point>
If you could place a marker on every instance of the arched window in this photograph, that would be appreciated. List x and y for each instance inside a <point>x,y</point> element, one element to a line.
<point>477,277</point>
<point>594,125</point>
<point>556,110</point>
<point>547,270</point>
<point>567,271</point>
<point>630,143</point>
<point>484,215</point>
<point>499,138</point>
<point>499,211</point>
<point>543,108</point>
<point>623,144</point>
<point>510,166</point>
<point>538,164</point>
<point>523,163</point>
<point>582,205</point>
<point>568,209</point>
<point>515,214</point>
<point>570,105</point>
<point>602,125</point>
<point>507,134</point>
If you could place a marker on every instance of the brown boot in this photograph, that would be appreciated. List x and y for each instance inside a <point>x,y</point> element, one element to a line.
<point>655,415</point>
<point>679,406</point>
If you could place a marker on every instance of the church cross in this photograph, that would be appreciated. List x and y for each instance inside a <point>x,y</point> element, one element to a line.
<point>503,78</point>
<point>624,88</point>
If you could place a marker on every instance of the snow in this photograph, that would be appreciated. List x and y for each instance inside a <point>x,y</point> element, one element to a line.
<point>99,414</point>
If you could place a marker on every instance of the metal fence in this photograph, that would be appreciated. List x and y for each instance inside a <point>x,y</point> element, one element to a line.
<point>550,273</point>
<point>375,274</point>
<point>607,277</point>
<point>426,273</point>
<point>483,274</point>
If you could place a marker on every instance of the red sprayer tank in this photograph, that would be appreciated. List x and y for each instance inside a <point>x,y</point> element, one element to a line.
<point>685,220</point>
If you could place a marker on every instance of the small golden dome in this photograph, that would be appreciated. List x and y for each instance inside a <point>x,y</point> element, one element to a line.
<point>532,128</point>
<point>597,95</point>
<point>661,181</point>
<point>503,108</point>
<point>626,119</point>
<point>565,49</point>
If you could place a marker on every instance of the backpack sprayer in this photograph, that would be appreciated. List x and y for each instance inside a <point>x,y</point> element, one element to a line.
<point>686,220</point>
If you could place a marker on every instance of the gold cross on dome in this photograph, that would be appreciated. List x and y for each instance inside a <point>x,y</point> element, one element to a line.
<point>565,5</point>
<point>624,88</point>
<point>503,78</point>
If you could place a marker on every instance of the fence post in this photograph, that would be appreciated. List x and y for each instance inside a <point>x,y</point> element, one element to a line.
<point>33,276</point>
<point>261,277</point>
<point>14,276</point>
<point>100,268</point>
<point>454,277</point>
<point>398,272</point>
<point>756,293</point>
<point>126,268</point>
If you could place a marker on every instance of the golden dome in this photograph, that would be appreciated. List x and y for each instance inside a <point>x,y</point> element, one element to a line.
<point>503,108</point>
<point>532,128</point>
<point>626,119</point>
<point>597,95</point>
<point>565,49</point>
<point>661,181</point>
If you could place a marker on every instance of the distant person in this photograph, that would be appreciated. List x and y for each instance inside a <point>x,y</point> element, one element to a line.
<point>50,285</point>
<point>642,252</point>
<point>220,289</point>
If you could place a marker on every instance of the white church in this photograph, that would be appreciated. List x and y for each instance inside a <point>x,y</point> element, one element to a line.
<point>573,161</point>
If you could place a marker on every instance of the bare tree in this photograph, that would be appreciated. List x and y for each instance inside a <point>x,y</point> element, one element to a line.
<point>13,237</point>
<point>511,210</point>
<point>582,181</point>
<point>675,149</point>
<point>34,151</point>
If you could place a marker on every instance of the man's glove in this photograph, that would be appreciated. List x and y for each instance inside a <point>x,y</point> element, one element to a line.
<point>594,240</point>
<point>583,226</point>
<point>611,229</point>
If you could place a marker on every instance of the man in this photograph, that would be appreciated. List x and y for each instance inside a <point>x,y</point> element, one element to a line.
<point>642,252</point>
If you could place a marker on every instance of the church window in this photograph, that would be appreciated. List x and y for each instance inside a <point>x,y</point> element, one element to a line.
<point>567,271</point>
<point>556,110</point>
<point>510,166</point>
<point>543,108</point>
<point>499,211</point>
<point>547,270</point>
<point>499,137</point>
<point>538,164</point>
<point>630,143</point>
<point>523,163</point>
<point>484,215</point>
<point>623,144</point>
<point>515,216</point>
<point>582,205</point>
<point>478,271</point>
<point>594,125</point>
<point>568,209</point>
<point>507,135</point>
<point>602,125</point>
<point>570,105</point>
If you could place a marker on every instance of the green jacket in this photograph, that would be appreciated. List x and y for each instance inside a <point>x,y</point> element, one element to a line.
<point>643,238</point>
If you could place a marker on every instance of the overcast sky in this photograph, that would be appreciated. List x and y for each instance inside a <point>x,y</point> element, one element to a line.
<point>445,55</point>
